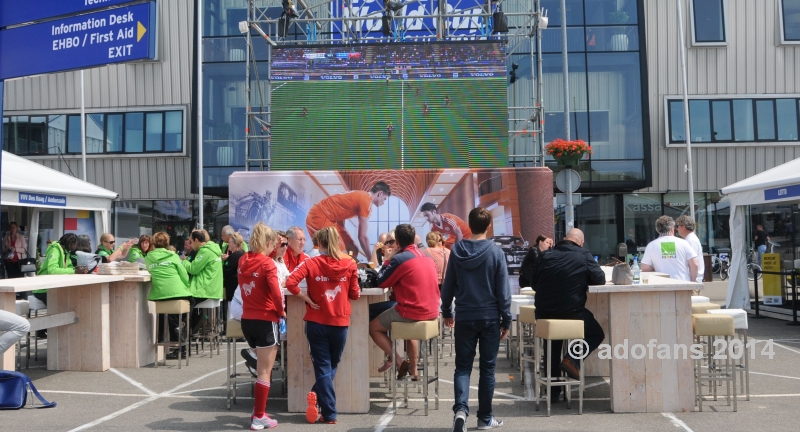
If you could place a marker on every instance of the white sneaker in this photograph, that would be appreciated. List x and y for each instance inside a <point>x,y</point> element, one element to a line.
<point>460,422</point>
<point>263,423</point>
<point>493,423</point>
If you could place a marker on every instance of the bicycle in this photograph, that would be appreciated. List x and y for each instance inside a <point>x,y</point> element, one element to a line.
<point>724,265</point>
<point>752,265</point>
<point>716,263</point>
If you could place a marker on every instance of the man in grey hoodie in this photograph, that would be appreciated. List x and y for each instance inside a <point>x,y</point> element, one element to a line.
<point>478,279</point>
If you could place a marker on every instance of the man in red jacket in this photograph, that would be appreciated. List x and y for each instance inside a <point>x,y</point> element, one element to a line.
<point>414,281</point>
<point>294,254</point>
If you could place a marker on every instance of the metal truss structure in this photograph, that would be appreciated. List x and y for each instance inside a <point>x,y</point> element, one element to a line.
<point>343,22</point>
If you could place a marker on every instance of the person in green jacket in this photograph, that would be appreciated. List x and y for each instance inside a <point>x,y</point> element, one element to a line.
<point>57,261</point>
<point>141,249</point>
<point>227,232</point>
<point>205,268</point>
<point>168,279</point>
<point>106,248</point>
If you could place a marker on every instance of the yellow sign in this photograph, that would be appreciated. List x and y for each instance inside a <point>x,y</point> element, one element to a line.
<point>771,262</point>
<point>140,31</point>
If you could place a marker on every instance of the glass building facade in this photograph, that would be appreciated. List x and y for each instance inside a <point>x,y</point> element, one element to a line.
<point>608,102</point>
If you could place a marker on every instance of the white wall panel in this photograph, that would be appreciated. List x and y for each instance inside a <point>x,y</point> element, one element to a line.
<point>753,62</point>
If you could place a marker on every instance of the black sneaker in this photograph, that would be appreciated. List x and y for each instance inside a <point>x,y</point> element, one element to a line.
<point>460,422</point>
<point>249,360</point>
<point>174,354</point>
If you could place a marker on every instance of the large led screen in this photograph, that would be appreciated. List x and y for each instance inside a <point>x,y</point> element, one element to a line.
<point>374,106</point>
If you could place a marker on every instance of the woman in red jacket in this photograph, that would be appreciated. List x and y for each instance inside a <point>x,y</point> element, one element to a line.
<point>332,279</point>
<point>261,311</point>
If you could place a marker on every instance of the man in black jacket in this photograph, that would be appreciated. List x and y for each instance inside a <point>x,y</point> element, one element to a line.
<point>561,280</point>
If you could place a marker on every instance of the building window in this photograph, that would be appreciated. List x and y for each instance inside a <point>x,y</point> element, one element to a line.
<point>708,22</point>
<point>133,132</point>
<point>735,120</point>
<point>790,21</point>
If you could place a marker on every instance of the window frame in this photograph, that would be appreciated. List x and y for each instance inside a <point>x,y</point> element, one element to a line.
<point>105,113</point>
<point>667,134</point>
<point>693,27</point>
<point>781,24</point>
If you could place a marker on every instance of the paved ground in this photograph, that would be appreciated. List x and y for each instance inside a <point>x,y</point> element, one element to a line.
<point>193,398</point>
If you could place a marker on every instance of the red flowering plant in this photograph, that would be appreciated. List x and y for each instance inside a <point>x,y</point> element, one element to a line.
<point>559,148</point>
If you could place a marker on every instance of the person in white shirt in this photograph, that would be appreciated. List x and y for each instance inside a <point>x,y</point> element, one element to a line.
<point>686,226</point>
<point>669,254</point>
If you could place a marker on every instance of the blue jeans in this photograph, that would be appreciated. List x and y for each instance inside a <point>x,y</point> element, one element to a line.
<point>326,344</point>
<point>761,251</point>
<point>468,334</point>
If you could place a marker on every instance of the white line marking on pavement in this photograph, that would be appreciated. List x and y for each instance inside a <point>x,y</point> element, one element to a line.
<point>497,393</point>
<point>138,395</point>
<point>115,414</point>
<point>677,422</point>
<point>776,376</point>
<point>187,384</point>
<point>132,382</point>
<point>167,393</point>
<point>386,418</point>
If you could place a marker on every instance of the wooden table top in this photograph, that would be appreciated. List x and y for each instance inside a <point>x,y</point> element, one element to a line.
<point>655,283</point>
<point>54,281</point>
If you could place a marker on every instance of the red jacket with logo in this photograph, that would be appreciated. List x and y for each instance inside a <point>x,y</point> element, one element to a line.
<point>331,284</point>
<point>262,298</point>
<point>415,283</point>
<point>292,262</point>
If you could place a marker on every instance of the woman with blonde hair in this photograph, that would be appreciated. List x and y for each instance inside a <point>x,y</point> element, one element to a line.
<point>107,248</point>
<point>438,253</point>
<point>169,280</point>
<point>332,279</point>
<point>262,310</point>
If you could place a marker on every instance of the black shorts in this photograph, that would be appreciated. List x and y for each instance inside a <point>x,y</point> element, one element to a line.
<point>260,334</point>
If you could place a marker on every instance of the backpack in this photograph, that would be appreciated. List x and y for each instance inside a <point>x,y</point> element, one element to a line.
<point>14,387</point>
<point>367,278</point>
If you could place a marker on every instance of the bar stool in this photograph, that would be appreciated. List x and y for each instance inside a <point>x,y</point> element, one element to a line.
<point>209,332</point>
<point>711,327</point>
<point>742,364</point>
<point>702,308</point>
<point>234,332</point>
<point>446,337</point>
<point>526,325</point>
<point>34,305</point>
<point>422,331</point>
<point>23,309</point>
<point>550,330</point>
<point>700,299</point>
<point>173,307</point>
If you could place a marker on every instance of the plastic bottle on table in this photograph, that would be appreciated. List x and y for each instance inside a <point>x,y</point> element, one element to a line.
<point>637,272</point>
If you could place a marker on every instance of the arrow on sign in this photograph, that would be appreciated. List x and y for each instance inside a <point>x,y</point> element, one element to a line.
<point>140,32</point>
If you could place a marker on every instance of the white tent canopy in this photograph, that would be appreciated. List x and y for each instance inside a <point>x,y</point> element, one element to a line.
<point>779,184</point>
<point>24,182</point>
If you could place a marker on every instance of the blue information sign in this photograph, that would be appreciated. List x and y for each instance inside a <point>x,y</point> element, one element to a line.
<point>782,193</point>
<point>42,199</point>
<point>23,11</point>
<point>110,36</point>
